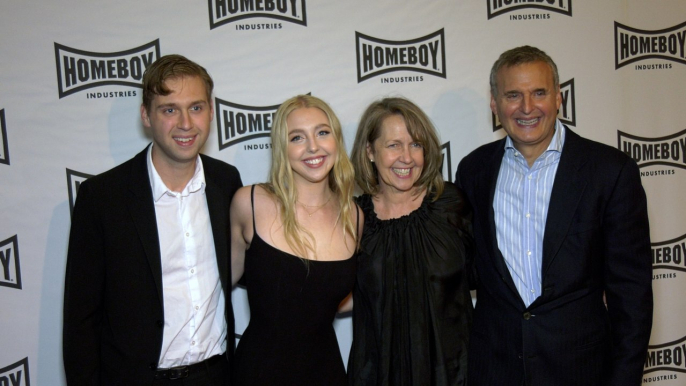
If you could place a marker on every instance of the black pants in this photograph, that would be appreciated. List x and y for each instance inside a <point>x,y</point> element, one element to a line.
<point>216,373</point>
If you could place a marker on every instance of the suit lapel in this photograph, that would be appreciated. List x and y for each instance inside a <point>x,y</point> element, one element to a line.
<point>565,198</point>
<point>142,210</point>
<point>216,205</point>
<point>487,181</point>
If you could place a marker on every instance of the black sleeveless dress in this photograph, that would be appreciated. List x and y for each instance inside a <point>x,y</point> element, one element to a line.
<point>290,339</point>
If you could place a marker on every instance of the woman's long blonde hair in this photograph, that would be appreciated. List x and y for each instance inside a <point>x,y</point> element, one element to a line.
<point>281,182</point>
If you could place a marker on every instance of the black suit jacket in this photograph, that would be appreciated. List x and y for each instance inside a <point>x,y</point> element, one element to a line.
<point>113,307</point>
<point>596,241</point>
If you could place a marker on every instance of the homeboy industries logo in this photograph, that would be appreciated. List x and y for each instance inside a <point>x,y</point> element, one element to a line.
<point>499,7</point>
<point>227,11</point>
<point>239,123</point>
<point>74,180</point>
<point>425,55</point>
<point>16,374</point>
<point>667,151</point>
<point>567,112</point>
<point>669,356</point>
<point>669,255</point>
<point>79,70</point>
<point>446,163</point>
<point>632,45</point>
<point>4,146</point>
<point>9,259</point>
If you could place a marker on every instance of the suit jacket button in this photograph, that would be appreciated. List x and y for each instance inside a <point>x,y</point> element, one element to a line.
<point>153,366</point>
<point>527,315</point>
<point>160,323</point>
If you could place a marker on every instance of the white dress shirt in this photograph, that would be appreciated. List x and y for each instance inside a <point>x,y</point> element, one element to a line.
<point>194,322</point>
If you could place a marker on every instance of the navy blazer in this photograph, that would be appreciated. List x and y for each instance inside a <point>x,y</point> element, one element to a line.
<point>113,304</point>
<point>596,242</point>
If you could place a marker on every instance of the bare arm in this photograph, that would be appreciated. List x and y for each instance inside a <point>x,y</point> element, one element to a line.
<point>241,231</point>
<point>347,303</point>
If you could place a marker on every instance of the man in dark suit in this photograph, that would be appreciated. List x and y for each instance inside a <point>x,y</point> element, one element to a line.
<point>559,223</point>
<point>147,291</point>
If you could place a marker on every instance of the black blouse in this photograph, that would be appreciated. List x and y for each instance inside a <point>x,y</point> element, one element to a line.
<point>412,306</point>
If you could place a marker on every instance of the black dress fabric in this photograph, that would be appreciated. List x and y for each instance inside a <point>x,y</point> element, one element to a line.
<point>412,306</point>
<point>290,339</point>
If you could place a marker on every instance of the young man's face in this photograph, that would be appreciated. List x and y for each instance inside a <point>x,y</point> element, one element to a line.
<point>179,122</point>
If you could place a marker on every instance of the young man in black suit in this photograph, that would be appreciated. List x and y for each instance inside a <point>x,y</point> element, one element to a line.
<point>148,283</point>
<point>559,222</point>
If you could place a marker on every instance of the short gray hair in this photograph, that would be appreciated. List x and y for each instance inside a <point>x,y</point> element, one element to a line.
<point>520,55</point>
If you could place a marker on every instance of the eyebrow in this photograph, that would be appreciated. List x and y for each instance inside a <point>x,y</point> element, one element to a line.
<point>521,92</point>
<point>171,104</point>
<point>300,130</point>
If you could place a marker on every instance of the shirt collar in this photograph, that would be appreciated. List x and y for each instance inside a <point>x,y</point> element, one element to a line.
<point>159,189</point>
<point>556,143</point>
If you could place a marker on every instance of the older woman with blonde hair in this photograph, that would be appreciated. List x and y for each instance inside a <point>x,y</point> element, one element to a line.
<point>412,303</point>
<point>294,241</point>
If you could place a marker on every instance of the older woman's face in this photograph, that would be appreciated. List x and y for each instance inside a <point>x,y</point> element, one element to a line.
<point>398,158</point>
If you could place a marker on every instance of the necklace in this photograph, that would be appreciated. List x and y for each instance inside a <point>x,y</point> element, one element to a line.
<point>309,214</point>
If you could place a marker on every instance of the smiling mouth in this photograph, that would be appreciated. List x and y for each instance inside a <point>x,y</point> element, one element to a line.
<point>402,172</point>
<point>184,139</point>
<point>314,161</point>
<point>527,122</point>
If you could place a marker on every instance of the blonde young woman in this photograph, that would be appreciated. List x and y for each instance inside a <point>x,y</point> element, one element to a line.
<point>294,242</point>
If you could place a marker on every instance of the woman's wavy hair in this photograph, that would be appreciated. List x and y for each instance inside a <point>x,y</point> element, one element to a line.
<point>420,129</point>
<point>281,181</point>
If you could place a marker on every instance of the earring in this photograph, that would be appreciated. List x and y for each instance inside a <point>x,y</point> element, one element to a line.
<point>371,160</point>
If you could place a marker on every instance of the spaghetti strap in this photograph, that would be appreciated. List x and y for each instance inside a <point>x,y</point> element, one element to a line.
<point>252,205</point>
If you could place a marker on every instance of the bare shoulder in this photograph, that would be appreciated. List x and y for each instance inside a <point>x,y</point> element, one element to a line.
<point>263,199</point>
<point>241,197</point>
<point>245,199</point>
<point>241,208</point>
<point>265,205</point>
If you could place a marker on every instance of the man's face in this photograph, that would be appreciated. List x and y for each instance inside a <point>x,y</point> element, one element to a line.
<point>179,122</point>
<point>526,104</point>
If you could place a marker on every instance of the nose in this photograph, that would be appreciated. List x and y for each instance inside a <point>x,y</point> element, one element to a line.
<point>312,146</point>
<point>185,120</point>
<point>527,104</point>
<point>405,157</point>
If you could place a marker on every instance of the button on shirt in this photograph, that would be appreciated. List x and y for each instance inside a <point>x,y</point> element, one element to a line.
<point>521,206</point>
<point>194,322</point>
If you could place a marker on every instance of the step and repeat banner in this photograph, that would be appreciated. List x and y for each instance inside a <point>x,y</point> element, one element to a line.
<point>70,74</point>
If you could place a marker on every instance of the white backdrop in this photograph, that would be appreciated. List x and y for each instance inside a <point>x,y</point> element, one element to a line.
<point>70,96</point>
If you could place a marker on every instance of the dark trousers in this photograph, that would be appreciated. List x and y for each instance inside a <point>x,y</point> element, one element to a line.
<point>207,373</point>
